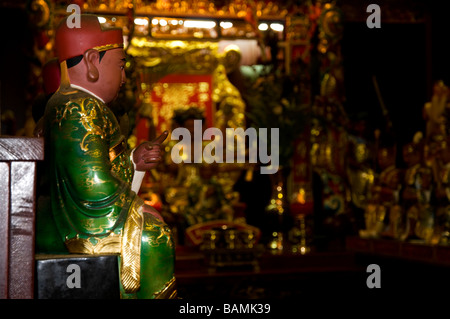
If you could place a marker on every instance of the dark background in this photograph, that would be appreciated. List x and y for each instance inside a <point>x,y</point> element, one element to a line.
<point>396,55</point>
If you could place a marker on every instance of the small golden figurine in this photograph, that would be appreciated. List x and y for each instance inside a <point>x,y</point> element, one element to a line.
<point>389,182</point>
<point>441,165</point>
<point>419,183</point>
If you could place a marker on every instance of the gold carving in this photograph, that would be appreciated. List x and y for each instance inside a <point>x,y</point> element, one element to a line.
<point>39,13</point>
<point>207,8</point>
<point>229,104</point>
<point>161,58</point>
<point>169,57</point>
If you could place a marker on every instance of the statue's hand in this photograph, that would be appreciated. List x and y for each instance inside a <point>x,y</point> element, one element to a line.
<point>148,155</point>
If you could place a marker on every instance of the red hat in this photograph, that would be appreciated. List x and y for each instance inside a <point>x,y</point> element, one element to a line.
<point>51,75</point>
<point>72,42</point>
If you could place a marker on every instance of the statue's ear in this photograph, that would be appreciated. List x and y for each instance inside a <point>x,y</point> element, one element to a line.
<point>91,58</point>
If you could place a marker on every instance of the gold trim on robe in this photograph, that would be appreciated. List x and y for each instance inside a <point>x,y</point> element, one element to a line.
<point>130,274</point>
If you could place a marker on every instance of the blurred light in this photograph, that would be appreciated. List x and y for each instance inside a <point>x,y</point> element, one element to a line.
<point>277,27</point>
<point>201,24</point>
<point>155,21</point>
<point>226,24</point>
<point>173,22</point>
<point>162,22</point>
<point>301,196</point>
<point>178,44</point>
<point>263,27</point>
<point>141,21</point>
<point>101,19</point>
<point>273,245</point>
<point>232,47</point>
<point>153,200</point>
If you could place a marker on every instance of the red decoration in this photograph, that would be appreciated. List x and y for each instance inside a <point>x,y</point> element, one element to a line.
<point>176,91</point>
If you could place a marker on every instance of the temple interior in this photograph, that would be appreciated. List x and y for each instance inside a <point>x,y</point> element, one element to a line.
<point>330,150</point>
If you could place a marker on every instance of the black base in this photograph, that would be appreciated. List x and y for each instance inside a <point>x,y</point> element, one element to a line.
<point>77,277</point>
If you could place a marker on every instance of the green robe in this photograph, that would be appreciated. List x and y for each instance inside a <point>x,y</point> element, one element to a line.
<point>91,208</point>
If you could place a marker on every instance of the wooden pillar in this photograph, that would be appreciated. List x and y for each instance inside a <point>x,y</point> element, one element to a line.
<point>18,157</point>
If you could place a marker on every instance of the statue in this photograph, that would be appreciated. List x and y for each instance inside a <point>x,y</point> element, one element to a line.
<point>435,112</point>
<point>418,188</point>
<point>436,115</point>
<point>389,184</point>
<point>93,207</point>
<point>441,166</point>
<point>360,173</point>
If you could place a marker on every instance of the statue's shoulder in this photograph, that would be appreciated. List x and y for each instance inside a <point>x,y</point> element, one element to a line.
<point>71,97</point>
<point>72,103</point>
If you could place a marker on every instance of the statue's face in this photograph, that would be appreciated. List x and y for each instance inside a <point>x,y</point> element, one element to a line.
<point>111,72</point>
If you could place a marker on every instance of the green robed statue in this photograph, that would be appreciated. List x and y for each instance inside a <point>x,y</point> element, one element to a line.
<point>93,179</point>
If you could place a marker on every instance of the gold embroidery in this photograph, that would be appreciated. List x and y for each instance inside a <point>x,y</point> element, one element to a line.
<point>89,225</point>
<point>121,200</point>
<point>122,168</point>
<point>168,292</point>
<point>107,245</point>
<point>165,235</point>
<point>89,182</point>
<point>61,113</point>
<point>88,112</point>
<point>131,249</point>
<point>95,153</point>
<point>87,120</point>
